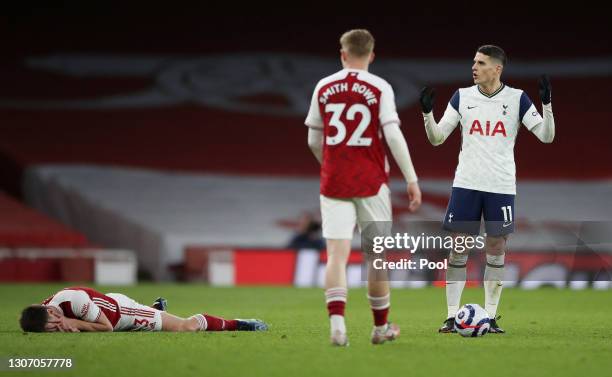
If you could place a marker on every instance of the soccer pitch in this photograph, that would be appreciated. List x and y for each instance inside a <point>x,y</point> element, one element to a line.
<point>549,332</point>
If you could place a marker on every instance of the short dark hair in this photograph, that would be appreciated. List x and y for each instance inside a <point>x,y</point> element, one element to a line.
<point>34,318</point>
<point>493,51</point>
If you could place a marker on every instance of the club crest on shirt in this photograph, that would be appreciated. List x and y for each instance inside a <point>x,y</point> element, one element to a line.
<point>84,309</point>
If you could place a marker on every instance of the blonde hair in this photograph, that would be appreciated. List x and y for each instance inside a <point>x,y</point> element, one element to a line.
<point>357,42</point>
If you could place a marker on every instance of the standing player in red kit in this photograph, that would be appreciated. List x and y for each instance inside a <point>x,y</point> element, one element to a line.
<point>79,309</point>
<point>349,113</point>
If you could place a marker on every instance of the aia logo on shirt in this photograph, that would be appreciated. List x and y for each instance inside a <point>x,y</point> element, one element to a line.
<point>487,131</point>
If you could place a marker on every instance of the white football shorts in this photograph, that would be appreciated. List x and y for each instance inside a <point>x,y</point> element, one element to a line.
<point>135,316</point>
<point>339,216</point>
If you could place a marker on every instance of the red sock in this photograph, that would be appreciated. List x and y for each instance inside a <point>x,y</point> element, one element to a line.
<point>336,308</point>
<point>380,316</point>
<point>219,324</point>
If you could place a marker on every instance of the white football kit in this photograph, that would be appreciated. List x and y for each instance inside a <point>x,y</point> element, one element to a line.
<point>489,126</point>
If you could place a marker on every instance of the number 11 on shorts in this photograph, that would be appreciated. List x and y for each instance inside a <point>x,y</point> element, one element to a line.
<point>507,210</point>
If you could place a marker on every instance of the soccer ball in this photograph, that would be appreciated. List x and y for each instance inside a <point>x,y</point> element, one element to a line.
<point>472,320</point>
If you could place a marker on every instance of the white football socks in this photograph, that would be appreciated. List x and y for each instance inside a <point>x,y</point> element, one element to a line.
<point>455,282</point>
<point>336,295</point>
<point>337,323</point>
<point>493,282</point>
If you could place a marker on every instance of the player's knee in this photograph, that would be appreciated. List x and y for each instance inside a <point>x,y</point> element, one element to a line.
<point>496,245</point>
<point>190,325</point>
<point>338,251</point>
<point>457,259</point>
<point>191,328</point>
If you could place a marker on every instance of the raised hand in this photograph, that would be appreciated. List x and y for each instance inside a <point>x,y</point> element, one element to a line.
<point>545,89</point>
<point>427,99</point>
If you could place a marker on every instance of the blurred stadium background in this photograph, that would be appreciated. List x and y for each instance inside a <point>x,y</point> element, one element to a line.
<point>171,146</point>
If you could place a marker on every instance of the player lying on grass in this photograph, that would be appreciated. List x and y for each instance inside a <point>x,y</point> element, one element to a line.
<point>79,309</point>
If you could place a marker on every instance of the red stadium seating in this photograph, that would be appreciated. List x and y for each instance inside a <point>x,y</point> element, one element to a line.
<point>21,226</point>
<point>188,134</point>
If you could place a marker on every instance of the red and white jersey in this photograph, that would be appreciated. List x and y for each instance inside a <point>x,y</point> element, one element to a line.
<point>85,304</point>
<point>135,316</point>
<point>351,107</point>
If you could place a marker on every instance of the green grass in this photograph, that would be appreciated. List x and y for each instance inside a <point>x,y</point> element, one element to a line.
<point>550,332</point>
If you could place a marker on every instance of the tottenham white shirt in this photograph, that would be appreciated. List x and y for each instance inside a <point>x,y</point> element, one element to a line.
<point>489,126</point>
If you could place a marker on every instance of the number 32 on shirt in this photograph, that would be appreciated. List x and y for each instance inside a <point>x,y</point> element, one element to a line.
<point>356,139</point>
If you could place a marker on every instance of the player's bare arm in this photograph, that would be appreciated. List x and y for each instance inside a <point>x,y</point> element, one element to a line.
<point>58,322</point>
<point>101,325</point>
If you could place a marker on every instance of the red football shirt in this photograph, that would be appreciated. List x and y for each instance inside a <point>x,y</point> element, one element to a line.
<point>86,304</point>
<point>351,107</point>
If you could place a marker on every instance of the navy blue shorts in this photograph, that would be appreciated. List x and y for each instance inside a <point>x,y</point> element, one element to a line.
<point>466,208</point>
